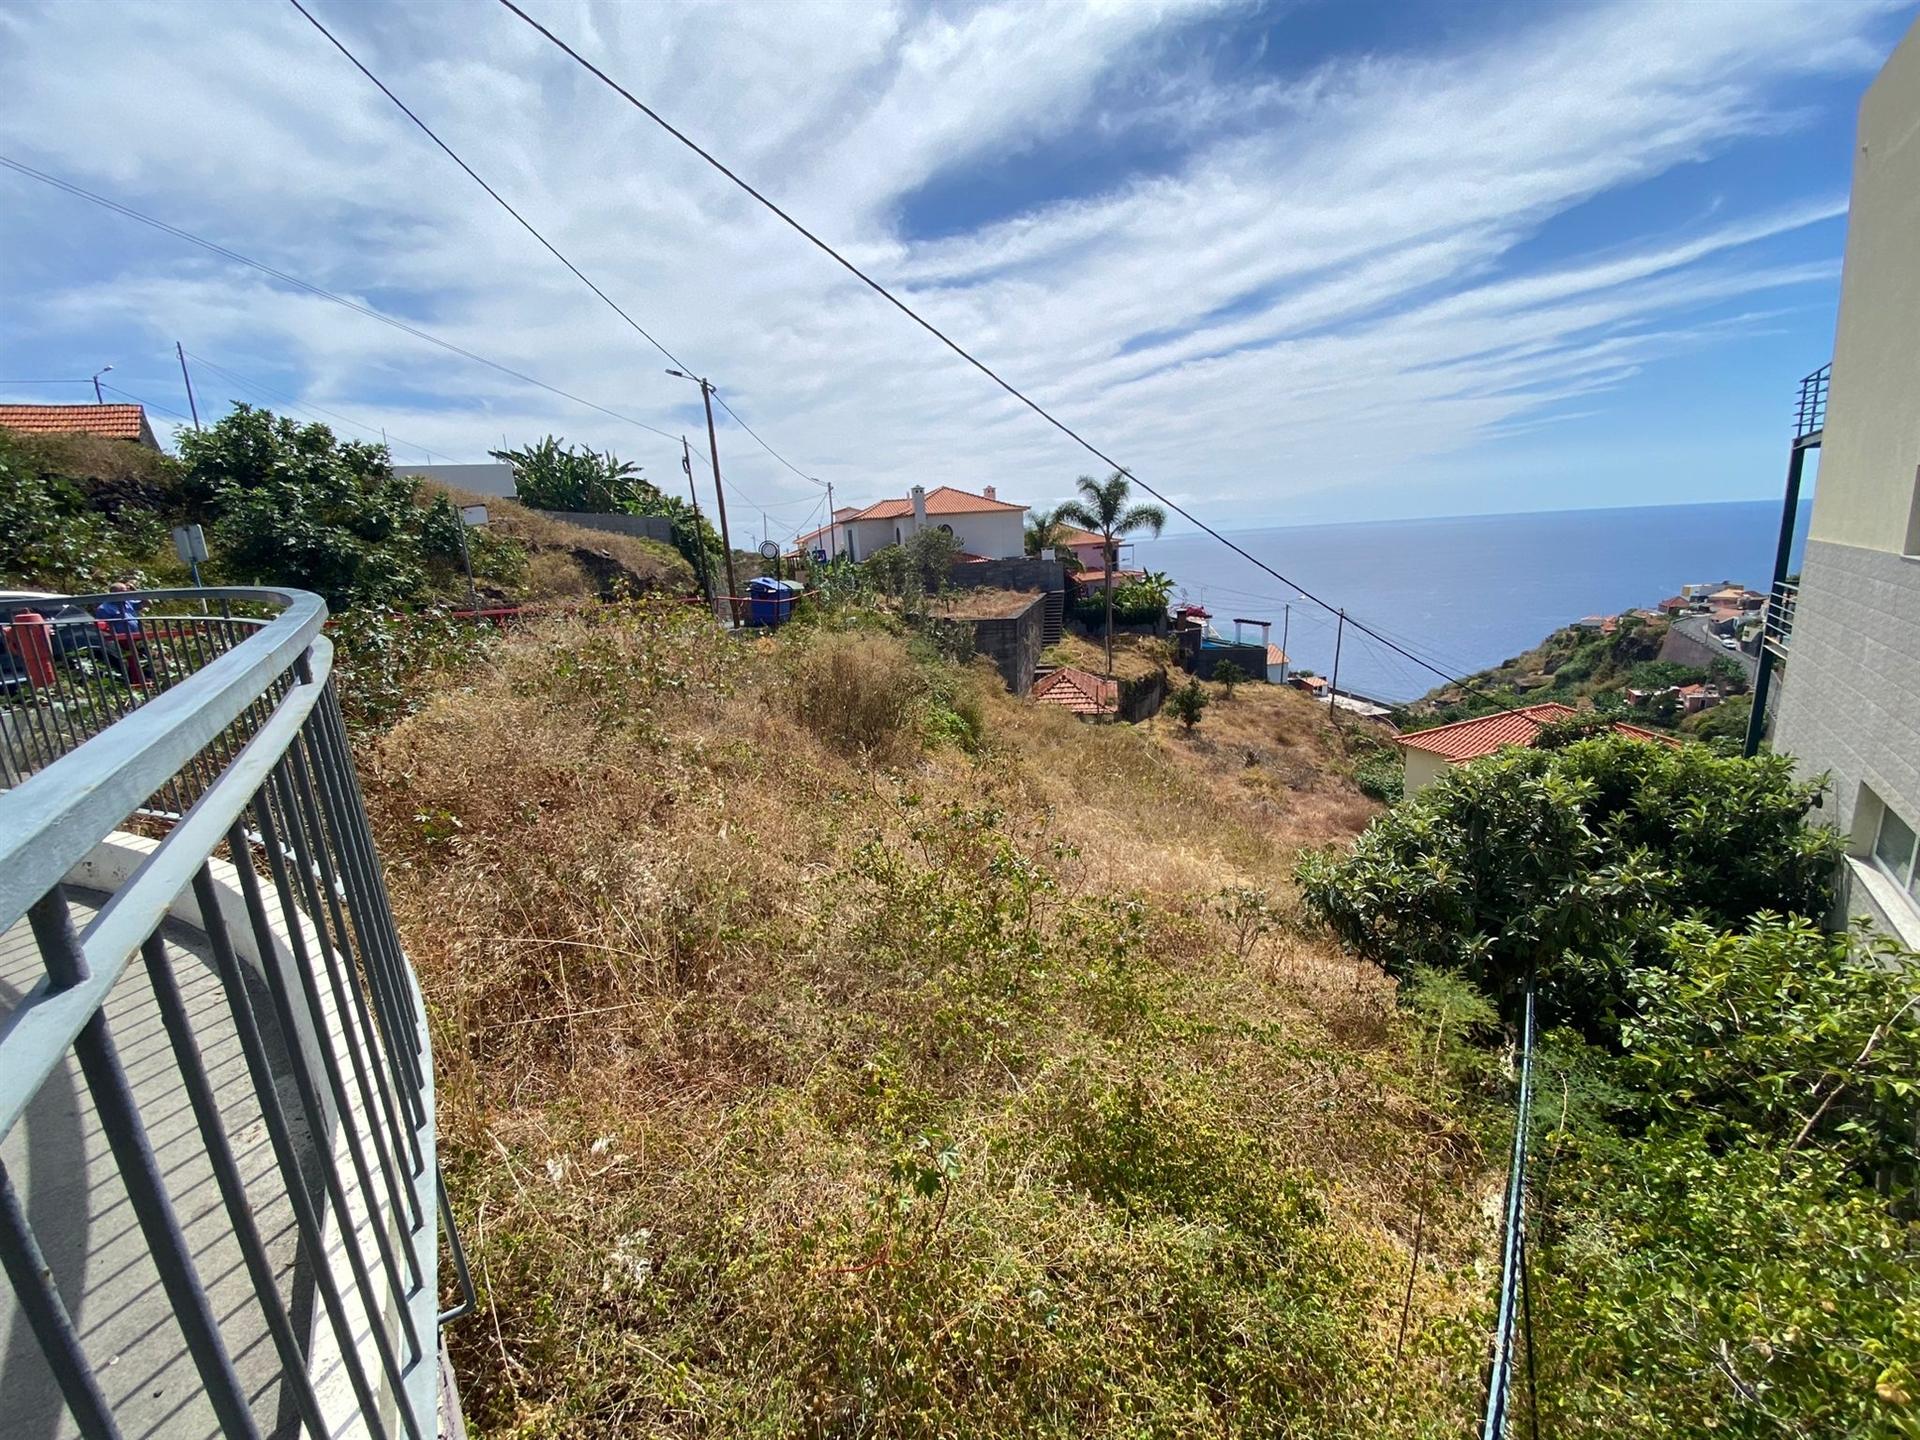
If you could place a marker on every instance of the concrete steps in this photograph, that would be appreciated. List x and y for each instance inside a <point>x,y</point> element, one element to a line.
<point>1053,618</point>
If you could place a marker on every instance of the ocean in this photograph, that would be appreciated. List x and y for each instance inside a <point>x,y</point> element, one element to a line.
<point>1464,592</point>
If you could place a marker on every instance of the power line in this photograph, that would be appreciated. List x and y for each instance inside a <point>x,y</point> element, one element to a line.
<point>322,293</point>
<point>360,425</point>
<point>528,226</point>
<point>761,443</point>
<point>149,404</point>
<point>939,334</point>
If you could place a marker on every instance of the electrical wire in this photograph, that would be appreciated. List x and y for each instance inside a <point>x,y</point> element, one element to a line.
<point>939,334</point>
<point>320,292</point>
<point>528,226</point>
<point>367,430</point>
<point>149,404</point>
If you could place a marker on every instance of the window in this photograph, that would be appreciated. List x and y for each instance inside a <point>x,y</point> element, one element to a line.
<point>1893,850</point>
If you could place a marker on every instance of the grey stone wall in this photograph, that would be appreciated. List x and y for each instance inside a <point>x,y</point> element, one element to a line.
<point>1850,698</point>
<point>1021,574</point>
<point>1013,644</point>
<point>641,527</point>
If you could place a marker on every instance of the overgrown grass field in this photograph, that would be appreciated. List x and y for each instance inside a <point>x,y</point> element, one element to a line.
<point>831,1045</point>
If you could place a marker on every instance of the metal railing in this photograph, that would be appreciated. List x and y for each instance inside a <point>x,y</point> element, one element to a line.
<point>229,727</point>
<point>1781,605</point>
<point>1810,412</point>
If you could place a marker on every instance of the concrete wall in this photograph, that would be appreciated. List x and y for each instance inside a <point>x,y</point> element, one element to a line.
<point>997,534</point>
<point>1025,573</point>
<point>641,527</point>
<point>1013,644</point>
<point>1423,768</point>
<point>1850,699</point>
<point>493,478</point>
<point>1871,449</point>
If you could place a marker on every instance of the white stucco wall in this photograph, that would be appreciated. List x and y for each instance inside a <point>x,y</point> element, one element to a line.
<point>1871,449</point>
<point>1850,695</point>
<point>1423,768</point>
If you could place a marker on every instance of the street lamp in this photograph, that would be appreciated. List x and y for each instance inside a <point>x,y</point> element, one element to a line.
<point>98,398</point>
<point>719,494</point>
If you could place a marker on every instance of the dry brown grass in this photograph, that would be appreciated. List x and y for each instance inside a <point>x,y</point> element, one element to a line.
<point>1133,655</point>
<point>983,603</point>
<point>796,1084</point>
<point>568,562</point>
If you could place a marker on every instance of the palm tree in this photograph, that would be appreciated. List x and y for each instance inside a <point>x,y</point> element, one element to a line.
<point>1103,509</point>
<point>1043,532</point>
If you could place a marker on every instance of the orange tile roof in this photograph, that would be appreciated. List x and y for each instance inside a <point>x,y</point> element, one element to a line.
<point>1470,739</point>
<point>1074,535</point>
<point>941,500</point>
<point>1275,655</point>
<point>1080,691</point>
<point>116,422</point>
<point>1086,577</point>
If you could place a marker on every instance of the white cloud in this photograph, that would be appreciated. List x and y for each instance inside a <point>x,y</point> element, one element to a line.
<point>1329,274</point>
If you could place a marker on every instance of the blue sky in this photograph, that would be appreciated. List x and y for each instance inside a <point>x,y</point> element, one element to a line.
<point>1292,262</point>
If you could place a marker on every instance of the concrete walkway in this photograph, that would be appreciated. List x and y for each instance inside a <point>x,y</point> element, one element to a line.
<point>78,1206</point>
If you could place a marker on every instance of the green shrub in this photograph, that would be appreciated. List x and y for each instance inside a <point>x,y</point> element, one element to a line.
<point>1188,703</point>
<point>1570,860</point>
<point>1382,775</point>
<point>1733,1214</point>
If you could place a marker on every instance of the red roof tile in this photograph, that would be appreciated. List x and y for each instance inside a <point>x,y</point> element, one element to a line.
<point>1471,739</point>
<point>116,422</point>
<point>941,500</point>
<point>1275,655</point>
<point>1080,691</point>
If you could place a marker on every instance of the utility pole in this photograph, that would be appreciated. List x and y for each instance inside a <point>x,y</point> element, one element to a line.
<point>98,398</point>
<point>699,525</point>
<point>1333,690</point>
<point>180,350</point>
<point>1286,624</point>
<point>833,531</point>
<point>719,492</point>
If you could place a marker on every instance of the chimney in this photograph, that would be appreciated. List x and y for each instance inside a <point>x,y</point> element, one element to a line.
<point>988,492</point>
<point>919,493</point>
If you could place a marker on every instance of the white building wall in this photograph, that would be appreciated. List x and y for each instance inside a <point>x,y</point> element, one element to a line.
<point>1850,695</point>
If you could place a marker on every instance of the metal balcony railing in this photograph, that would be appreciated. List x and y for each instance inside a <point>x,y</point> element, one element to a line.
<point>1781,604</point>
<point>1810,412</point>
<point>220,1210</point>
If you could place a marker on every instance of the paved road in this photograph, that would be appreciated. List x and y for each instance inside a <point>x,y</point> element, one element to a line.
<point>1690,642</point>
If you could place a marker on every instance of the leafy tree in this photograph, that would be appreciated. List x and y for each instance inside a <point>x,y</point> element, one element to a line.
<point>918,566</point>
<point>1104,508</point>
<point>1727,674</point>
<point>1660,674</point>
<point>48,537</point>
<point>1229,675</point>
<point>295,506</point>
<point>1734,1212</point>
<point>1187,703</point>
<point>552,475</point>
<point>1569,860</point>
<point>1725,723</point>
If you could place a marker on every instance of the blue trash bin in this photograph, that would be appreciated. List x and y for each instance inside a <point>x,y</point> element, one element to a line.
<point>770,601</point>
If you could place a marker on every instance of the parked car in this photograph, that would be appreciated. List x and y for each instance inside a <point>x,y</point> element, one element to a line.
<point>1727,642</point>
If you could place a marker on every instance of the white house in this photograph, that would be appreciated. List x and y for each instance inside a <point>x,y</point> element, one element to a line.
<point>985,525</point>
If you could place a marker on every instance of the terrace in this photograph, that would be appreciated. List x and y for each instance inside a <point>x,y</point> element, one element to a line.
<point>220,1209</point>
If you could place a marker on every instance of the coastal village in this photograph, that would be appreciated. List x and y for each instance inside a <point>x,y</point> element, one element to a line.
<point>505,949</point>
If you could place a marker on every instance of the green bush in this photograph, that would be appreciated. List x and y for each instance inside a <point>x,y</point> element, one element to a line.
<point>1570,860</point>
<point>1188,703</point>
<point>294,506</point>
<point>1381,775</point>
<point>1734,1215</point>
